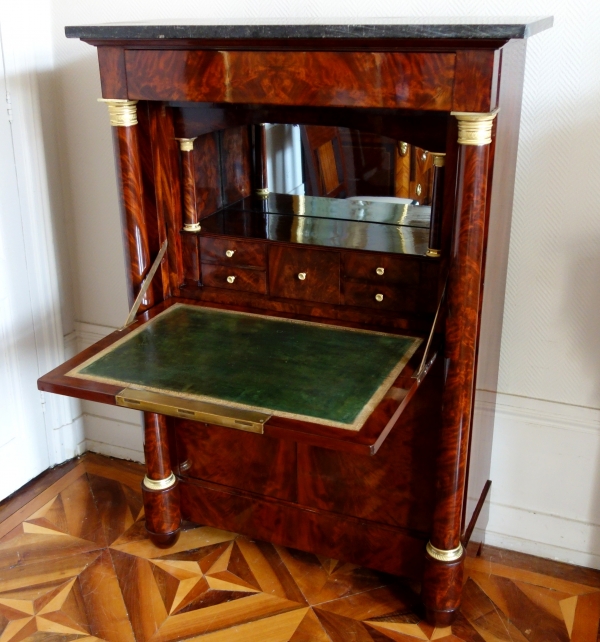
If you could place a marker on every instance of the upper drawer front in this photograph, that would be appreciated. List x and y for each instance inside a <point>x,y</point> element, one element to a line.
<point>233,252</point>
<point>380,268</point>
<point>311,275</point>
<point>408,80</point>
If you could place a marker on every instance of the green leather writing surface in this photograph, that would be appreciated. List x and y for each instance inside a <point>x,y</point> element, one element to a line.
<point>303,370</point>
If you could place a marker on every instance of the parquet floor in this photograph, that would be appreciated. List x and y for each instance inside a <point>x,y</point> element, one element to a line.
<point>75,565</point>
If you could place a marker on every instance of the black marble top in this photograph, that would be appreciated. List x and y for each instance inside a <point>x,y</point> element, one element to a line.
<point>337,28</point>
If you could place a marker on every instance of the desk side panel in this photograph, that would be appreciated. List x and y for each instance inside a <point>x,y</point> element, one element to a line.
<point>502,176</point>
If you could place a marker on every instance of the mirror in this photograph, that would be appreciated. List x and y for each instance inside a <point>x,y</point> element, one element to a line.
<point>336,187</point>
<point>338,162</point>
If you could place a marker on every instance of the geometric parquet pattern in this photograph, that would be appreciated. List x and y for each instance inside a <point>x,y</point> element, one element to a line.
<point>75,564</point>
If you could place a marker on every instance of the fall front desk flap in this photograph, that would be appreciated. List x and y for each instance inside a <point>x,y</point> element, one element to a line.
<point>255,366</point>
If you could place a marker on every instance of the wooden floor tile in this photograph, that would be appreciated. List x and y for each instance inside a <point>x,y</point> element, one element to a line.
<point>310,629</point>
<point>558,570</point>
<point>342,629</point>
<point>586,620</point>
<point>278,628</point>
<point>390,603</point>
<point>525,575</point>
<point>76,564</point>
<point>44,496</point>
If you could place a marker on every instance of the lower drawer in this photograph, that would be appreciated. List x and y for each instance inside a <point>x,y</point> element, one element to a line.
<point>234,278</point>
<point>254,463</point>
<point>382,297</point>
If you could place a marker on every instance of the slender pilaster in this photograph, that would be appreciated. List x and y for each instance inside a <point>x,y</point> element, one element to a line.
<point>261,185</point>
<point>444,557</point>
<point>188,185</point>
<point>437,205</point>
<point>123,118</point>
<point>160,486</point>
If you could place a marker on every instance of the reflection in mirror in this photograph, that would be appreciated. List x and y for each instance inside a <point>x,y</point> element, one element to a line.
<point>337,187</point>
<point>337,162</point>
<point>348,174</point>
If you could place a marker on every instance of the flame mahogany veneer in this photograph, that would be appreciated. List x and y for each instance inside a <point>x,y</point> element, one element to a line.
<point>417,471</point>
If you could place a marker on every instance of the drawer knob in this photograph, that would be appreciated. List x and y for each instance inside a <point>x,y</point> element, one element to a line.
<point>419,190</point>
<point>229,253</point>
<point>379,298</point>
<point>380,271</point>
<point>230,279</point>
<point>302,276</point>
<point>424,156</point>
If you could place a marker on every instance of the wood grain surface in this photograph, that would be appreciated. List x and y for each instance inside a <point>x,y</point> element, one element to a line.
<point>167,194</point>
<point>135,230</point>
<point>188,188</point>
<point>244,279</point>
<point>163,514</point>
<point>321,270</point>
<point>443,582</point>
<point>243,253</point>
<point>356,79</point>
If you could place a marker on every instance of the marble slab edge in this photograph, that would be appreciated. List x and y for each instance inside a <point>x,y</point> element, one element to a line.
<point>524,28</point>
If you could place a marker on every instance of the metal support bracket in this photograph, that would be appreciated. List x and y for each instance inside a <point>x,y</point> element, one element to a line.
<point>422,371</point>
<point>145,285</point>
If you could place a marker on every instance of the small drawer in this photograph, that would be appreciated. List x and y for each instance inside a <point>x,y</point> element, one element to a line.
<point>311,275</point>
<point>382,297</point>
<point>232,252</point>
<point>380,268</point>
<point>234,278</point>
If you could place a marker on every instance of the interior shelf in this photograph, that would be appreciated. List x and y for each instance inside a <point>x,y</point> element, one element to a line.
<point>328,222</point>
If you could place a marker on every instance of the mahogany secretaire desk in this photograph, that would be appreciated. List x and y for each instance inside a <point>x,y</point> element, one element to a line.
<point>307,366</point>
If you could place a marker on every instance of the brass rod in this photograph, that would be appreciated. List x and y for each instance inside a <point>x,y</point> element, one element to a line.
<point>423,367</point>
<point>145,285</point>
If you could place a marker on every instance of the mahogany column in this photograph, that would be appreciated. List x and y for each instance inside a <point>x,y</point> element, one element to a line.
<point>444,558</point>
<point>160,486</point>
<point>261,185</point>
<point>437,205</point>
<point>188,185</point>
<point>189,201</point>
<point>123,118</point>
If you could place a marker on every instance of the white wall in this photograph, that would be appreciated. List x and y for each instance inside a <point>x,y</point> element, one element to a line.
<point>546,493</point>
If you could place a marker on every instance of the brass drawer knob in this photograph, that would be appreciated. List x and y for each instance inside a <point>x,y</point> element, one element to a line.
<point>380,271</point>
<point>424,156</point>
<point>302,276</point>
<point>229,253</point>
<point>379,298</point>
<point>419,190</point>
<point>230,279</point>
